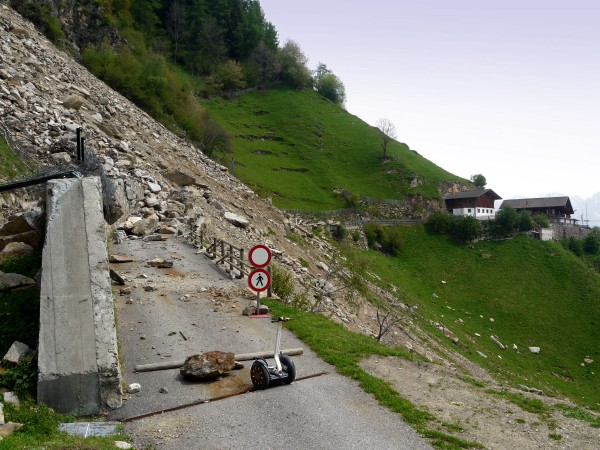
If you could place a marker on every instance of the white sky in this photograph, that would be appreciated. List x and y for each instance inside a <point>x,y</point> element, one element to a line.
<point>509,89</point>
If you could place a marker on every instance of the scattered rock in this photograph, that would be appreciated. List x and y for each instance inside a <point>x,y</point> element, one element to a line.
<point>9,428</point>
<point>15,281</point>
<point>207,365</point>
<point>14,249</point>
<point>534,349</point>
<point>251,309</point>
<point>123,445</point>
<point>16,351</point>
<point>180,178</point>
<point>497,341</point>
<point>145,227</point>
<point>134,388</point>
<point>11,397</point>
<point>163,390</point>
<point>161,263</point>
<point>237,220</point>
<point>1,413</point>
<point>120,259</point>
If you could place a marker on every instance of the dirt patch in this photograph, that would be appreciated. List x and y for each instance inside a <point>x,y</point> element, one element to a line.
<point>478,415</point>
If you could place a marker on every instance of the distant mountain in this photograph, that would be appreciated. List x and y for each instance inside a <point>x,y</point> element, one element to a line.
<point>589,207</point>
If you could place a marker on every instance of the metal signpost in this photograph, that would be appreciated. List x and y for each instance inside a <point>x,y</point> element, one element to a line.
<point>259,279</point>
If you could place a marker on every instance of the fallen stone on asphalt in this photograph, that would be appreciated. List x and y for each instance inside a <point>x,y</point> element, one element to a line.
<point>207,365</point>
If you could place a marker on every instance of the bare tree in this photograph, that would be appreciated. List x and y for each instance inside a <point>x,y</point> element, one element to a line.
<point>387,130</point>
<point>386,320</point>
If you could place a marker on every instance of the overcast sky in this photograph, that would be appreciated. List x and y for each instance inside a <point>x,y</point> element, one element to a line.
<point>509,89</point>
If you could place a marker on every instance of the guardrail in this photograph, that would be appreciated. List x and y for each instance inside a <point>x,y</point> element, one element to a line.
<point>225,254</point>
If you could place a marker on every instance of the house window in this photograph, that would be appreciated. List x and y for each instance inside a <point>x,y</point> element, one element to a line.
<point>469,210</point>
<point>478,210</point>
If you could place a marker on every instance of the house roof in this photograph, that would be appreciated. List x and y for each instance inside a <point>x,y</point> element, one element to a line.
<point>472,194</point>
<point>544,202</point>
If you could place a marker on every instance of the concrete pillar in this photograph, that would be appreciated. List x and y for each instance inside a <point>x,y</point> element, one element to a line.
<point>77,362</point>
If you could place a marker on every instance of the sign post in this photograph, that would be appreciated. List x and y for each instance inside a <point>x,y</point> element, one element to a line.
<point>259,279</point>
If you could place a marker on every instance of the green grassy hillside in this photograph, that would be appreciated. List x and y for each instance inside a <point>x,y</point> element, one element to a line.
<point>525,292</point>
<point>298,148</point>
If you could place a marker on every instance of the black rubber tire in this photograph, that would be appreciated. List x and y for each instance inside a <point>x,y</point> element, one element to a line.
<point>259,374</point>
<point>288,367</point>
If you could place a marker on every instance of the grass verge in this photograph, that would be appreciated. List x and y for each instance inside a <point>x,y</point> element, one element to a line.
<point>40,430</point>
<point>345,349</point>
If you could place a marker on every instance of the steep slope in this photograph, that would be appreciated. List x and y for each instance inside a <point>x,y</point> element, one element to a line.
<point>45,96</point>
<point>304,151</point>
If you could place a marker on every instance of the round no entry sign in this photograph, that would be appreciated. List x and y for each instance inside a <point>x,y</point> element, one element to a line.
<point>259,280</point>
<point>259,256</point>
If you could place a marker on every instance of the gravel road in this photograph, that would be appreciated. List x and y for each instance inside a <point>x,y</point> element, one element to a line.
<point>169,314</point>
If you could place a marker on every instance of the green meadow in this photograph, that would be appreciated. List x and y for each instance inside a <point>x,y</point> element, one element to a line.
<point>303,150</point>
<point>525,292</point>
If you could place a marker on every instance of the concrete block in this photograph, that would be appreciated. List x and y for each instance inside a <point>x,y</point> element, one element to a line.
<point>77,361</point>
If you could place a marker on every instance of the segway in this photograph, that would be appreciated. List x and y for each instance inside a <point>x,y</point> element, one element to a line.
<point>284,370</point>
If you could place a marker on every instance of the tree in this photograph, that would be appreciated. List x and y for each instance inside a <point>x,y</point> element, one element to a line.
<point>228,77</point>
<point>211,46</point>
<point>387,131</point>
<point>175,24</point>
<point>591,244</point>
<point>525,222</point>
<point>329,85</point>
<point>294,72</point>
<point>264,64</point>
<point>506,221</point>
<point>479,180</point>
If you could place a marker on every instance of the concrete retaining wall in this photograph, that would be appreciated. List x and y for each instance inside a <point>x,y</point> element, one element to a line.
<point>78,362</point>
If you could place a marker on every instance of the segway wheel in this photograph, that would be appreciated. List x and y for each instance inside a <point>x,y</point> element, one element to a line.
<point>289,368</point>
<point>259,374</point>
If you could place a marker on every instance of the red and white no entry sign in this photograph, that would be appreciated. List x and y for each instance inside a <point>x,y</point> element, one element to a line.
<point>259,280</point>
<point>259,256</point>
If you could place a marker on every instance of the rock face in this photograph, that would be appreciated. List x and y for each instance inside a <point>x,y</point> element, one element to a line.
<point>207,365</point>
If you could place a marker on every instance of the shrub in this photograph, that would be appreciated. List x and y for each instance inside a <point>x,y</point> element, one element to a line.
<point>440,222</point>
<point>282,282</point>
<point>386,239</point>
<point>374,234</point>
<point>541,220</point>
<point>466,229</point>
<point>525,223</point>
<point>506,221</point>
<point>575,245</point>
<point>591,244</point>
<point>339,232</point>
<point>356,235</point>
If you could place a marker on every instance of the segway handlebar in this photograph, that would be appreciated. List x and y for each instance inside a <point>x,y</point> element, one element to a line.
<point>281,319</point>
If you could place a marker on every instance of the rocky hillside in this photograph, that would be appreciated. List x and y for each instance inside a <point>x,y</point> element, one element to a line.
<point>148,171</point>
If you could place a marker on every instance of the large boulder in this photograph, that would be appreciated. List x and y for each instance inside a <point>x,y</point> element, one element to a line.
<point>146,226</point>
<point>32,220</point>
<point>180,178</point>
<point>237,220</point>
<point>16,352</point>
<point>14,249</point>
<point>207,365</point>
<point>15,281</point>
<point>30,238</point>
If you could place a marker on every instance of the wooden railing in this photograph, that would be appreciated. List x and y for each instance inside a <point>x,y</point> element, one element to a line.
<point>223,253</point>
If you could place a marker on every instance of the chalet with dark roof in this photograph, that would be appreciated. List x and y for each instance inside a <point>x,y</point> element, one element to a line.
<point>478,203</point>
<point>557,209</point>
